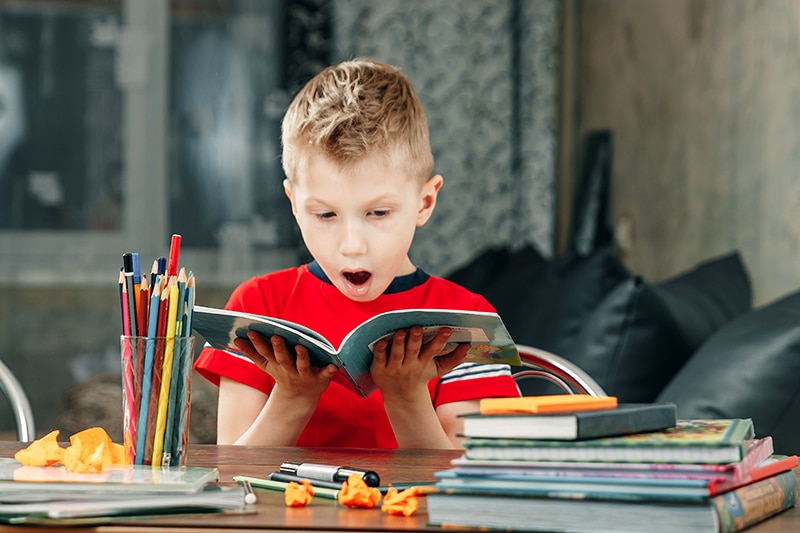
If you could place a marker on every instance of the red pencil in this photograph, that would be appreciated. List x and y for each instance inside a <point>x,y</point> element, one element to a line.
<point>161,331</point>
<point>174,254</point>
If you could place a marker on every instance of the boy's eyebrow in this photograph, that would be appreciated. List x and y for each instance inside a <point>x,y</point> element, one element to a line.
<point>390,197</point>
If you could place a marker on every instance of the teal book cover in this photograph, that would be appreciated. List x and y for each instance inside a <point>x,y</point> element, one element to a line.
<point>484,331</point>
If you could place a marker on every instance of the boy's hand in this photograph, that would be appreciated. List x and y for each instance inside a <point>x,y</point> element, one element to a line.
<point>406,365</point>
<point>293,374</point>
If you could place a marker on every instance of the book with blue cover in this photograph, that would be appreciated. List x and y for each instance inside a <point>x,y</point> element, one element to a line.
<point>484,331</point>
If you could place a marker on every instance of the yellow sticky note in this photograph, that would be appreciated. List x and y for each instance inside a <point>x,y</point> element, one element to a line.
<point>553,403</point>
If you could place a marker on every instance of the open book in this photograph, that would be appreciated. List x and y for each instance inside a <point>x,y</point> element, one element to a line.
<point>490,340</point>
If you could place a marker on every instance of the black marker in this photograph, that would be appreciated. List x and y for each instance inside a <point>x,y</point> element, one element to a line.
<point>286,477</point>
<point>337,474</point>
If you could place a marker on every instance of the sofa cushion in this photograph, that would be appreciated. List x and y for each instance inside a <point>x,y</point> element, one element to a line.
<point>641,334</point>
<point>629,335</point>
<point>548,310</point>
<point>707,297</point>
<point>750,368</point>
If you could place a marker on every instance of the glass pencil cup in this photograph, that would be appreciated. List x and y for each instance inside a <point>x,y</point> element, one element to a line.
<point>156,393</point>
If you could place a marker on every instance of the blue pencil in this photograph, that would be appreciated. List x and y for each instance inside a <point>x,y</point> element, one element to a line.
<point>147,375</point>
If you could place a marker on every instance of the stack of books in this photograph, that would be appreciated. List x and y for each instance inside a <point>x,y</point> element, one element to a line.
<point>612,470</point>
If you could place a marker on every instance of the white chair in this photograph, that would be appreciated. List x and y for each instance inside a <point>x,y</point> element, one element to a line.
<point>26,429</point>
<point>566,374</point>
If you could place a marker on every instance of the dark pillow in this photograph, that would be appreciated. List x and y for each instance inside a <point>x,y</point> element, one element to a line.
<point>495,264</point>
<point>750,368</point>
<point>640,335</point>
<point>548,311</point>
<point>707,297</point>
<point>630,344</point>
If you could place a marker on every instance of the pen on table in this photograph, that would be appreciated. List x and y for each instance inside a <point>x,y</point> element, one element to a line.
<point>314,471</point>
<point>280,486</point>
<point>249,495</point>
<point>287,478</point>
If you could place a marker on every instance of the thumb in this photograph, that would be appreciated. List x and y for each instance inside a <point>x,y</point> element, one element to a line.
<point>446,363</point>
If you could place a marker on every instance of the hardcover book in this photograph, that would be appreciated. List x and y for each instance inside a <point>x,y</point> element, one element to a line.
<point>758,451</point>
<point>622,420</point>
<point>726,513</point>
<point>603,486</point>
<point>690,441</point>
<point>484,331</point>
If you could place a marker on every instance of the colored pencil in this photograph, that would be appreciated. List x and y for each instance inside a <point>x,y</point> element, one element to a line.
<point>157,366</point>
<point>177,365</point>
<point>166,373</point>
<point>174,254</point>
<point>147,374</point>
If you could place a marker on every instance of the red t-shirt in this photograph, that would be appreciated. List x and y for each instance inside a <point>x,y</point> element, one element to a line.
<point>305,296</point>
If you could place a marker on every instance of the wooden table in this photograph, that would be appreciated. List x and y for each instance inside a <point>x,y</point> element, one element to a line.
<point>394,466</point>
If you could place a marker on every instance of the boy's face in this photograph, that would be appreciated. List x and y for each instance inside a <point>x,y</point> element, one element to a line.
<point>359,224</point>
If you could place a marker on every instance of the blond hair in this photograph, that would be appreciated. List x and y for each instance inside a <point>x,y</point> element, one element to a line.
<point>355,110</point>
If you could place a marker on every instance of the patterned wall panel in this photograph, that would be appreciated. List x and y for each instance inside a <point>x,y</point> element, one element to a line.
<point>486,75</point>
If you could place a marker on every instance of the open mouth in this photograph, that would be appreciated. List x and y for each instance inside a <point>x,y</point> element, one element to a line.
<point>357,278</point>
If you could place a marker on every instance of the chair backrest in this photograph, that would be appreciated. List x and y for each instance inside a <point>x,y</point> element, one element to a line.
<point>26,428</point>
<point>564,373</point>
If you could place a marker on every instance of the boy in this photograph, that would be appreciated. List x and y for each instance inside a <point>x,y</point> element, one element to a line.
<point>358,162</point>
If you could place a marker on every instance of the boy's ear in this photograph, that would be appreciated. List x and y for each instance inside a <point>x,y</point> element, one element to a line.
<point>430,190</point>
<point>287,189</point>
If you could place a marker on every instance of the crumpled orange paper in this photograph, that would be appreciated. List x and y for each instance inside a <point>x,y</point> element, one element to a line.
<point>89,450</point>
<point>298,495</point>
<point>401,503</point>
<point>356,493</point>
<point>42,452</point>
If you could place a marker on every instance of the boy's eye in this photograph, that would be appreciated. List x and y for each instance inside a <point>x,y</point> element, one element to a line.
<point>326,215</point>
<point>380,213</point>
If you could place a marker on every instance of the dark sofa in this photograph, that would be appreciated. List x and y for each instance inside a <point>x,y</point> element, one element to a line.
<point>694,339</point>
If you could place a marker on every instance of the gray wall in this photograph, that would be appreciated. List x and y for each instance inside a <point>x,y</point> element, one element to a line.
<point>703,98</point>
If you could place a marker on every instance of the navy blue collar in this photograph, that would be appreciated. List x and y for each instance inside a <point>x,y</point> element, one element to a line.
<point>398,284</point>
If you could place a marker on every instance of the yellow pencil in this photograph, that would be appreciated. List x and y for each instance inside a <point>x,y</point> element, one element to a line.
<point>166,371</point>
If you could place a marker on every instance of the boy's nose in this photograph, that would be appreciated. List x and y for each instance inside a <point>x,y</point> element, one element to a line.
<point>353,240</point>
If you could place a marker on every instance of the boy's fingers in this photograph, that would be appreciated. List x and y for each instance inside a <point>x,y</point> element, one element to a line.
<point>303,361</point>
<point>282,355</point>
<point>446,363</point>
<point>435,346</point>
<point>379,352</point>
<point>414,342</point>
<point>259,355</point>
<point>398,348</point>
